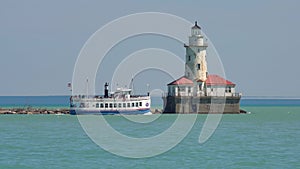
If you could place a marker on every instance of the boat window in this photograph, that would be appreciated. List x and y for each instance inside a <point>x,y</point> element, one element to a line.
<point>120,105</point>
<point>141,104</point>
<point>115,105</point>
<point>128,104</point>
<point>101,105</point>
<point>124,104</point>
<point>110,105</point>
<point>106,105</point>
<point>97,105</point>
<point>132,104</point>
<point>136,104</point>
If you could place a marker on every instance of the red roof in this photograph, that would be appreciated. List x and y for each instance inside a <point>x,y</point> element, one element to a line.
<point>213,80</point>
<point>182,81</point>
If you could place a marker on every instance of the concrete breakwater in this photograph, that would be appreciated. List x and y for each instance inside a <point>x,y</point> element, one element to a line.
<point>202,105</point>
<point>33,111</point>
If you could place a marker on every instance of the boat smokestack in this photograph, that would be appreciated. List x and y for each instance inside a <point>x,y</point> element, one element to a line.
<point>106,90</point>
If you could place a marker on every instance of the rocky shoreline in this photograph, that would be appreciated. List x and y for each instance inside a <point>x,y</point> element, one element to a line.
<point>67,111</point>
<point>33,111</point>
<point>45,111</point>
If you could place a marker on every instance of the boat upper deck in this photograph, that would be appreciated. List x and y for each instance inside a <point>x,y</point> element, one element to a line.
<point>84,98</point>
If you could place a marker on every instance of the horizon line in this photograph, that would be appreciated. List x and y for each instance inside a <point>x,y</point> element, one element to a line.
<point>247,97</point>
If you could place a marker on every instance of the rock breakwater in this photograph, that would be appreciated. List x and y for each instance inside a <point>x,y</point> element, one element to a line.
<point>33,111</point>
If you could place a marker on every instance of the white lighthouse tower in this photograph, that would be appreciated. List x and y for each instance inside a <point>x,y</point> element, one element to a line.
<point>196,66</point>
<point>197,90</point>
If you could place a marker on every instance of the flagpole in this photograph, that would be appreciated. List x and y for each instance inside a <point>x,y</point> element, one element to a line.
<point>87,87</point>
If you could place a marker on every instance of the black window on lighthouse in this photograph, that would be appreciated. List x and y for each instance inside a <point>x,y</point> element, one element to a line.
<point>198,66</point>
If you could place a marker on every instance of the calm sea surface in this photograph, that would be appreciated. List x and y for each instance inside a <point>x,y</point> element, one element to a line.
<point>269,137</point>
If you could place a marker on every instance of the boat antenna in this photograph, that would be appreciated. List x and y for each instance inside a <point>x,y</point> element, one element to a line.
<point>87,87</point>
<point>131,85</point>
<point>148,93</point>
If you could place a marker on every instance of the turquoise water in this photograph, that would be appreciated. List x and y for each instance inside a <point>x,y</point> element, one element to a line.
<point>269,137</point>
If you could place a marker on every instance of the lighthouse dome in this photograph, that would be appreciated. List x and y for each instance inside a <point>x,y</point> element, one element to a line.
<point>196,26</point>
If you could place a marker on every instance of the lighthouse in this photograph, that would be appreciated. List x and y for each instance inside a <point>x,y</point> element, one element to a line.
<point>194,92</point>
<point>196,65</point>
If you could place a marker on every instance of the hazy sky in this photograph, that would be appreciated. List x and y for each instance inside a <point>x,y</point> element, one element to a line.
<point>258,41</point>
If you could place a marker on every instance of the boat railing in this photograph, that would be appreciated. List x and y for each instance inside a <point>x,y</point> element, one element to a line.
<point>203,94</point>
<point>100,99</point>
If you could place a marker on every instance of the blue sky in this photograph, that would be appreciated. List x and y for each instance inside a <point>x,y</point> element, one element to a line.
<point>257,40</point>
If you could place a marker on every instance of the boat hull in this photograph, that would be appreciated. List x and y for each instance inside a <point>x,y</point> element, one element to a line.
<point>108,112</point>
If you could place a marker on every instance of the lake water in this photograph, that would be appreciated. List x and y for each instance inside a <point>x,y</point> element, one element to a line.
<point>269,137</point>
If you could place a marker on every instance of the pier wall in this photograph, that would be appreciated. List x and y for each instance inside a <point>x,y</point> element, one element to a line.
<point>201,105</point>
